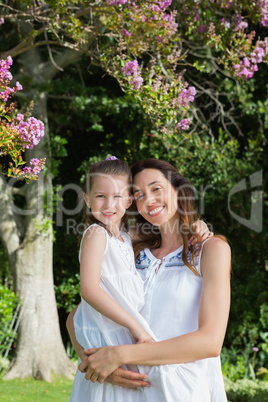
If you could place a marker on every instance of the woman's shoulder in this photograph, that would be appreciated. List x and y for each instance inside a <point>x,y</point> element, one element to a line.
<point>216,253</point>
<point>216,244</point>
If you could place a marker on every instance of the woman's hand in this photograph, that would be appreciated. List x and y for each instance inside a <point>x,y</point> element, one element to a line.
<point>200,233</point>
<point>128,379</point>
<point>100,362</point>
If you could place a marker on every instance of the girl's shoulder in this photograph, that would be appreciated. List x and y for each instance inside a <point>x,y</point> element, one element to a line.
<point>94,231</point>
<point>94,238</point>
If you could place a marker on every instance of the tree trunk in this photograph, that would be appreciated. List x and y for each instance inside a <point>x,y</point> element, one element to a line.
<point>27,235</point>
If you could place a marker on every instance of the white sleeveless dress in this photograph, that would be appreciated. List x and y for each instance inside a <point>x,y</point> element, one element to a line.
<point>172,296</point>
<point>121,280</point>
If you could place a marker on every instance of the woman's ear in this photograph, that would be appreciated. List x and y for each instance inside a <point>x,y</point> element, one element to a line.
<point>86,199</point>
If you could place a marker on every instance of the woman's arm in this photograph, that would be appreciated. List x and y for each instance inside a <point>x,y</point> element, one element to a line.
<point>70,327</point>
<point>203,343</point>
<point>93,247</point>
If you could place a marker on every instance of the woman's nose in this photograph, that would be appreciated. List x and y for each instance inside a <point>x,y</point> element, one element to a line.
<point>149,200</point>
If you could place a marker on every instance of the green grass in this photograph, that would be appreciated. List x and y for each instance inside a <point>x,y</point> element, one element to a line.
<point>29,389</point>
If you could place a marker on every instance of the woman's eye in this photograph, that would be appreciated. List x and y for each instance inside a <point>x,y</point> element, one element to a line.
<point>138,197</point>
<point>117,196</point>
<point>100,196</point>
<point>156,188</point>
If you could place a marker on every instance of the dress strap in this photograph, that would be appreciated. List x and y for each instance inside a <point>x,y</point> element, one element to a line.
<point>200,255</point>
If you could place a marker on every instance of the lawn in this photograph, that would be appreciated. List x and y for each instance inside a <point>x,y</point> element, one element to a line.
<point>29,389</point>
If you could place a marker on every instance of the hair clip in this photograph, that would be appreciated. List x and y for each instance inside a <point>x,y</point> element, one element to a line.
<point>111,158</point>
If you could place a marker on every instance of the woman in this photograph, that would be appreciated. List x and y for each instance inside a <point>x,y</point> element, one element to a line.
<point>187,294</point>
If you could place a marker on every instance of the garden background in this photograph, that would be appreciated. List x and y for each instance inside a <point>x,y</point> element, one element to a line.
<point>185,81</point>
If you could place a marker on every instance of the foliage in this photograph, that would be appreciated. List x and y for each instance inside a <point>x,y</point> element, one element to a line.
<point>8,303</point>
<point>246,391</point>
<point>68,293</point>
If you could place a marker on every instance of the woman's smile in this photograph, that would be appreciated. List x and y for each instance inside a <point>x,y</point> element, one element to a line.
<point>155,211</point>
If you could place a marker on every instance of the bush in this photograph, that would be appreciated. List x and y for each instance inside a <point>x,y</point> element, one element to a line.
<point>8,304</point>
<point>246,390</point>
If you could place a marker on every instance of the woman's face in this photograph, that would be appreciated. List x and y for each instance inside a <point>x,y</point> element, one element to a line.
<point>156,199</point>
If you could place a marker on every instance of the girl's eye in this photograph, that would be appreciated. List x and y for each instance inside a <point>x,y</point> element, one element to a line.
<point>156,188</point>
<point>117,196</point>
<point>100,196</point>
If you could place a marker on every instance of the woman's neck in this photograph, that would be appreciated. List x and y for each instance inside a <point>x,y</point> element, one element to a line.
<point>171,239</point>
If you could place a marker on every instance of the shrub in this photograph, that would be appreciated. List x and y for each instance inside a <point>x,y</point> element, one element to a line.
<point>8,304</point>
<point>246,390</point>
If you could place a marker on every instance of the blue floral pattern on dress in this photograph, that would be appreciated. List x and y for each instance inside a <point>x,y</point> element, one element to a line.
<point>142,261</point>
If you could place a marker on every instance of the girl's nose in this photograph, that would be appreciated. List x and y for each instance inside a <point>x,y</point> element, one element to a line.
<point>109,202</point>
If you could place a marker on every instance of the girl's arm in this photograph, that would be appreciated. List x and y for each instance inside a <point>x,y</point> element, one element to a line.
<point>203,343</point>
<point>93,247</point>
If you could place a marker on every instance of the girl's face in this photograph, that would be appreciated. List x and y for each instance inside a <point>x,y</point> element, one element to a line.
<point>109,198</point>
<point>156,199</point>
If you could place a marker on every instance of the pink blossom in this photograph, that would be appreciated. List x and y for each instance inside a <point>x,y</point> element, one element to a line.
<point>2,21</point>
<point>137,81</point>
<point>186,96</point>
<point>20,117</point>
<point>130,68</point>
<point>116,2</point>
<point>125,32</point>
<point>19,86</point>
<point>30,132</point>
<point>184,124</point>
<point>239,23</point>
<point>263,6</point>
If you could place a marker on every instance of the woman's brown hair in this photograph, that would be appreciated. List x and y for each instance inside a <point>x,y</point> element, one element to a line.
<point>149,235</point>
<point>114,167</point>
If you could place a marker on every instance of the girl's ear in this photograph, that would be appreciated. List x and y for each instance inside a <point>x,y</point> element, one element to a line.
<point>86,198</point>
<point>130,200</point>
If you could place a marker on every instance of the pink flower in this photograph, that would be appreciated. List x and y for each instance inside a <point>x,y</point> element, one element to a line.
<point>184,124</point>
<point>137,81</point>
<point>125,32</point>
<point>19,86</point>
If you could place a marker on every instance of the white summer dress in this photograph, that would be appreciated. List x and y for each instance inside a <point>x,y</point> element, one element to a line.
<point>120,279</point>
<point>172,296</point>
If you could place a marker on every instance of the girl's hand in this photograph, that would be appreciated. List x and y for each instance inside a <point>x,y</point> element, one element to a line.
<point>100,362</point>
<point>201,232</point>
<point>141,335</point>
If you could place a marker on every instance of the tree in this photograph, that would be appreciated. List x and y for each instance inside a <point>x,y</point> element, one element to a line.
<point>144,46</point>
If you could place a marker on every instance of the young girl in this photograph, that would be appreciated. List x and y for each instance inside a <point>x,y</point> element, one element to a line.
<point>112,296</point>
